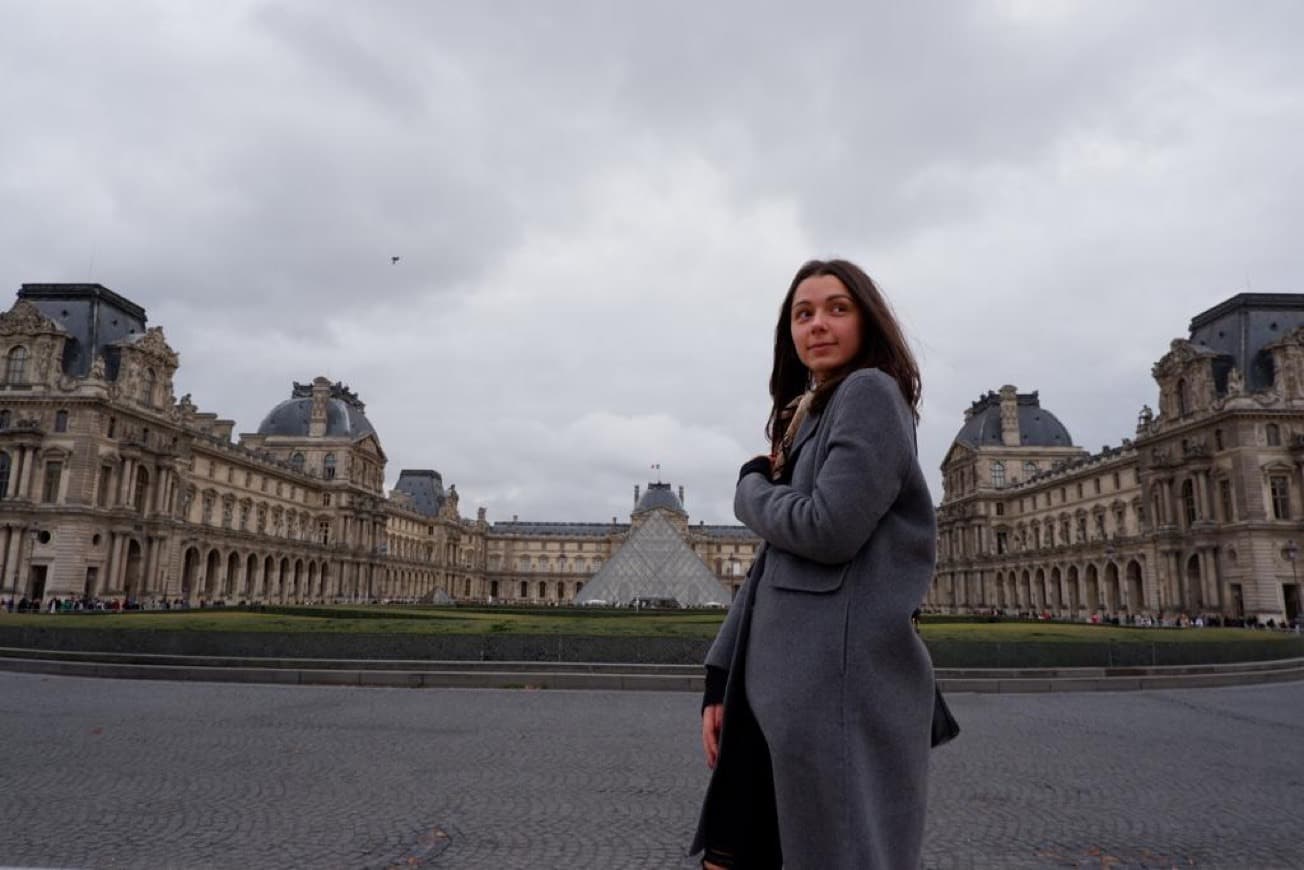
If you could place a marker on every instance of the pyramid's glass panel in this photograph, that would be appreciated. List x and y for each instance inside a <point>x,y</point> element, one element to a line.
<point>655,562</point>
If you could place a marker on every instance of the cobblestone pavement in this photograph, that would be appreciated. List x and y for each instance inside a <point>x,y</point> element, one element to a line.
<point>116,773</point>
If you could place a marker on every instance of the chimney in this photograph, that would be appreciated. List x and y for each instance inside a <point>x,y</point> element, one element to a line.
<point>681,496</point>
<point>636,495</point>
<point>321,393</point>
<point>1010,436</point>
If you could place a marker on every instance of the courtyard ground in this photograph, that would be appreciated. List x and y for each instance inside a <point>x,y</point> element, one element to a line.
<point>98,773</point>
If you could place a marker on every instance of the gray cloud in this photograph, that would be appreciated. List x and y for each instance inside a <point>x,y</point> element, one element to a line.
<point>598,207</point>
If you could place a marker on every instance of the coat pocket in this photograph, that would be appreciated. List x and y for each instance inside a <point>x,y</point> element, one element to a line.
<point>784,571</point>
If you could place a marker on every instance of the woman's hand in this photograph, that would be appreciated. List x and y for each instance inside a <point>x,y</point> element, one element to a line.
<point>712,721</point>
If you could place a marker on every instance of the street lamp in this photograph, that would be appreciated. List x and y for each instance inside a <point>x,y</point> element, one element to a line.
<point>1292,553</point>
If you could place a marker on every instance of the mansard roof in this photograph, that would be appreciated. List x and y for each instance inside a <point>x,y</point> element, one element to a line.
<point>1239,329</point>
<point>425,487</point>
<point>94,317</point>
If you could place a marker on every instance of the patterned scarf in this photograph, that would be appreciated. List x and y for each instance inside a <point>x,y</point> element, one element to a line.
<point>795,413</point>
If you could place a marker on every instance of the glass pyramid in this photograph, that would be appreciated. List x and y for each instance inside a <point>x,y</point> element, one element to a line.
<point>654,563</point>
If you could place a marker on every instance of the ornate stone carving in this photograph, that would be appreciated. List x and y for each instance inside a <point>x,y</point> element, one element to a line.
<point>154,345</point>
<point>26,319</point>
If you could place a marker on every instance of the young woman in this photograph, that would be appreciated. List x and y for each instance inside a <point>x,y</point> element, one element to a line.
<point>819,700</point>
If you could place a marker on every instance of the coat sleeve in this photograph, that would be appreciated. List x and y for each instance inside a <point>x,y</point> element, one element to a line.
<point>870,452</point>
<point>720,655</point>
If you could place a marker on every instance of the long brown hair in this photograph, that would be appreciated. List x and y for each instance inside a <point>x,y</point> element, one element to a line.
<point>882,346</point>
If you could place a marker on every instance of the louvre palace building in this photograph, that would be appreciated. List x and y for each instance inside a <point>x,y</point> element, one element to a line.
<point>1199,513</point>
<point>111,487</point>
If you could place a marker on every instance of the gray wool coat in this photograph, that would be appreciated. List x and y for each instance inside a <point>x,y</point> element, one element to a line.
<point>823,660</point>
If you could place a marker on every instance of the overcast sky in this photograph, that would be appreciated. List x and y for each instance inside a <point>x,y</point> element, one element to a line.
<point>598,207</point>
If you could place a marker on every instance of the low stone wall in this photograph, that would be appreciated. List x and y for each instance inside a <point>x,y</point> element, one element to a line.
<point>977,654</point>
<point>421,647</point>
<point>635,650</point>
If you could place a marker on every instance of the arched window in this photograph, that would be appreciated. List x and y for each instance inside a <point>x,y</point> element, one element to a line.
<point>543,589</point>
<point>1273,432</point>
<point>16,366</point>
<point>328,466</point>
<point>525,589</point>
<point>4,419</point>
<point>61,421</point>
<point>297,461</point>
<point>4,473</point>
<point>147,383</point>
<point>1029,468</point>
<point>1182,404</point>
<point>998,474</point>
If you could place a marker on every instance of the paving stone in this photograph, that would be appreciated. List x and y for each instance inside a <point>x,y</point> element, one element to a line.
<point>124,773</point>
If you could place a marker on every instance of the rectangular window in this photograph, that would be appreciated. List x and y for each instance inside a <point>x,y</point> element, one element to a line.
<point>102,493</point>
<point>1001,542</point>
<point>1000,509</point>
<point>53,473</point>
<point>1096,484</point>
<point>1100,526</point>
<point>1280,485</point>
<point>1118,484</point>
<point>1225,497</point>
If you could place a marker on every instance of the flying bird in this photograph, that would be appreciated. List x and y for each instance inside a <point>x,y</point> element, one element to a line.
<point>393,261</point>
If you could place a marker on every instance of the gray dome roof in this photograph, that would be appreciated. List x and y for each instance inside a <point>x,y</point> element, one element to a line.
<point>425,487</point>
<point>1037,426</point>
<point>658,495</point>
<point>344,415</point>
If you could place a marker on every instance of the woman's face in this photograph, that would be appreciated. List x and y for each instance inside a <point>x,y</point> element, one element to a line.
<point>825,325</point>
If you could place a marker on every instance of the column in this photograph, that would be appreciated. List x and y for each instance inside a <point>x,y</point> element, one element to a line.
<point>25,475</point>
<point>1201,485</point>
<point>15,474</point>
<point>147,579</point>
<point>7,541</point>
<point>115,556</point>
<point>1209,572</point>
<point>160,490</point>
<point>12,554</point>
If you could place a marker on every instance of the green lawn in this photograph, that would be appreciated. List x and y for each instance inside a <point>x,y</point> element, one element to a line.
<point>624,623</point>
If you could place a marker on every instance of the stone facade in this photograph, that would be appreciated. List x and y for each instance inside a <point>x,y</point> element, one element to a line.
<point>110,486</point>
<point>1199,513</point>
